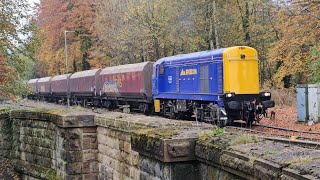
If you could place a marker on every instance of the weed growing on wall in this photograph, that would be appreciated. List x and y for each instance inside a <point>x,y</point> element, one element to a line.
<point>218,132</point>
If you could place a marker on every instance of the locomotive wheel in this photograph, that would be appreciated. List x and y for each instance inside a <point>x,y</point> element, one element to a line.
<point>249,118</point>
<point>172,116</point>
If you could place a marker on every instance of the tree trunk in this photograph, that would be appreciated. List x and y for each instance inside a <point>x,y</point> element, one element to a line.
<point>85,63</point>
<point>246,24</point>
<point>156,47</point>
<point>215,24</point>
<point>74,66</point>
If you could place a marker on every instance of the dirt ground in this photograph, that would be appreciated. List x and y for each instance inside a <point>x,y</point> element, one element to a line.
<point>287,117</point>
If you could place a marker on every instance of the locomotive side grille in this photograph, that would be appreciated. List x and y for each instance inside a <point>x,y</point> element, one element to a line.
<point>204,79</point>
<point>177,80</point>
<point>220,78</point>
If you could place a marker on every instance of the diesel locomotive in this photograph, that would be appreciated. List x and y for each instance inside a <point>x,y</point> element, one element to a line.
<point>219,86</point>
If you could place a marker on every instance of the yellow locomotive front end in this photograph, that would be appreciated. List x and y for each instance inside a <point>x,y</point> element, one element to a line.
<point>241,71</point>
<point>242,97</point>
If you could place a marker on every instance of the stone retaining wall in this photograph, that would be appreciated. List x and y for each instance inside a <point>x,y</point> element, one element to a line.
<point>46,145</point>
<point>59,144</point>
<point>34,144</point>
<point>116,158</point>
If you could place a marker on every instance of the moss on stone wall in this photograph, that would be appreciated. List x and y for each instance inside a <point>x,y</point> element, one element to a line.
<point>163,133</point>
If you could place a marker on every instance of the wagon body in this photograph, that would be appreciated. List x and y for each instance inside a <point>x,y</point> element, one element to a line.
<point>84,83</point>
<point>131,81</point>
<point>59,84</point>
<point>33,84</point>
<point>44,85</point>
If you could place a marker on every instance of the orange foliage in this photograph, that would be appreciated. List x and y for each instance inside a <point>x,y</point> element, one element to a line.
<point>56,16</point>
<point>299,29</point>
<point>3,70</point>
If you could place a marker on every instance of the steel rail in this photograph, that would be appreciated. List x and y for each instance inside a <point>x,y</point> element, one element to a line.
<point>286,129</point>
<point>311,139</point>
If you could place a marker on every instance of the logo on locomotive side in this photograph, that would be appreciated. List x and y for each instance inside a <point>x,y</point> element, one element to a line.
<point>188,72</point>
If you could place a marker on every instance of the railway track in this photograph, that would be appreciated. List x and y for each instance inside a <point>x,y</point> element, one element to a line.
<point>284,135</point>
<point>286,129</point>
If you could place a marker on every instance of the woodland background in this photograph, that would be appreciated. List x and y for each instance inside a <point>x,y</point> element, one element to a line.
<point>286,34</point>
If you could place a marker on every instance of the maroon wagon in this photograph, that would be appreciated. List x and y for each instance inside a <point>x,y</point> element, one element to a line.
<point>43,85</point>
<point>33,84</point>
<point>131,81</point>
<point>59,84</point>
<point>84,83</point>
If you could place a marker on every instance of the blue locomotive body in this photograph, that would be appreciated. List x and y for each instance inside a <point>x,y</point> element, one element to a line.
<point>220,85</point>
<point>196,76</point>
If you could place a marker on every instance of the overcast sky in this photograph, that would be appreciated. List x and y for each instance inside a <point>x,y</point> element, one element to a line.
<point>31,2</point>
<point>25,21</point>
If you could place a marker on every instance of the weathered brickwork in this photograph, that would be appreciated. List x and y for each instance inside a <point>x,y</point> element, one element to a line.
<point>116,158</point>
<point>5,142</point>
<point>77,153</point>
<point>119,160</point>
<point>51,146</point>
<point>154,169</point>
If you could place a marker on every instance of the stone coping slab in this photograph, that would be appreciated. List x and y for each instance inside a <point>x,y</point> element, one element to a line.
<point>258,158</point>
<point>164,139</point>
<point>61,117</point>
<point>130,122</point>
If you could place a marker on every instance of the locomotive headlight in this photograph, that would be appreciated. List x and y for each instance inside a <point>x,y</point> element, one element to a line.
<point>267,94</point>
<point>229,95</point>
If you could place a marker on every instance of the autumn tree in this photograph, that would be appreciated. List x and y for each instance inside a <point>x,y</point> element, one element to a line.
<point>13,52</point>
<point>56,16</point>
<point>299,32</point>
<point>119,32</point>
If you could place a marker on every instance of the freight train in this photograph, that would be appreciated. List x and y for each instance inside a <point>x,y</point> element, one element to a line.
<point>218,86</point>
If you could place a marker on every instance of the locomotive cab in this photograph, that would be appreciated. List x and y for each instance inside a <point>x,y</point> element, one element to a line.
<point>242,97</point>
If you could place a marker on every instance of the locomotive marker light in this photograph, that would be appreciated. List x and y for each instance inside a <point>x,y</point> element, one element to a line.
<point>265,94</point>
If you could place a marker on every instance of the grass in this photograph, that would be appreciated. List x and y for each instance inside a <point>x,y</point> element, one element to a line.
<point>253,159</point>
<point>218,132</point>
<point>243,139</point>
<point>215,133</point>
<point>299,160</point>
